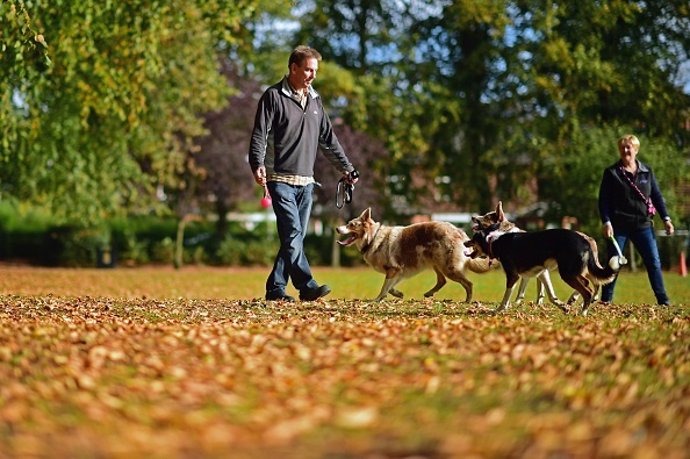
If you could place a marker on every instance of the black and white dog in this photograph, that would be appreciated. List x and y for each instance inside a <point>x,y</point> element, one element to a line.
<point>484,222</point>
<point>529,254</point>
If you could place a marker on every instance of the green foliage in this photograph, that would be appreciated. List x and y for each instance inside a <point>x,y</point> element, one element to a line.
<point>39,239</point>
<point>612,61</point>
<point>490,94</point>
<point>163,251</point>
<point>237,251</point>
<point>74,246</point>
<point>112,116</point>
<point>100,100</point>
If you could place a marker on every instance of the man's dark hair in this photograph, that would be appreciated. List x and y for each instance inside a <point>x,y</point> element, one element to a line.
<point>301,53</point>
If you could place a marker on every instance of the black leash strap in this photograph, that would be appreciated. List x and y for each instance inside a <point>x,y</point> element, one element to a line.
<point>343,193</point>
<point>344,190</point>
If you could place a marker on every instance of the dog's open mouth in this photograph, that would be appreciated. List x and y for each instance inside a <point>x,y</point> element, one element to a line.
<point>349,241</point>
<point>471,250</point>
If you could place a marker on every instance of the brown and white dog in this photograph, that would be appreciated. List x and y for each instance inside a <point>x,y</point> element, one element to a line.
<point>525,254</point>
<point>400,252</point>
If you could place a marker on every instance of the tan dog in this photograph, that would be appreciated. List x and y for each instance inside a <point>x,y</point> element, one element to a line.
<point>400,252</point>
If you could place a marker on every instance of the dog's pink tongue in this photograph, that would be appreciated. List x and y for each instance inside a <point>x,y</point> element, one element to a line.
<point>347,241</point>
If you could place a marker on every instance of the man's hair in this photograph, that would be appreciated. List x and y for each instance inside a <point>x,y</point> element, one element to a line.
<point>631,139</point>
<point>301,53</point>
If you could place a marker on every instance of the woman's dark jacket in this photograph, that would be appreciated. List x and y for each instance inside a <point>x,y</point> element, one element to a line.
<point>621,205</point>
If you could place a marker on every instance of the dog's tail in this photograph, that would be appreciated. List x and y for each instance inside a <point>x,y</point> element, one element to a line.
<point>482,265</point>
<point>603,275</point>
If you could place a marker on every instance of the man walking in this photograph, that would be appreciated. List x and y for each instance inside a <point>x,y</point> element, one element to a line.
<point>289,128</point>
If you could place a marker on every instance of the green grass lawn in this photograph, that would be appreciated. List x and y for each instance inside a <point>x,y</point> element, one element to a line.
<point>241,284</point>
<point>366,284</point>
<point>154,362</point>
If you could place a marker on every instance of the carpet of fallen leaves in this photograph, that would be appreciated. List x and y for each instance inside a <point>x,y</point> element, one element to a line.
<point>106,377</point>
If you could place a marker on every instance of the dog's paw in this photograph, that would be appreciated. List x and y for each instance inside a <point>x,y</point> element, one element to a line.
<point>397,293</point>
<point>561,305</point>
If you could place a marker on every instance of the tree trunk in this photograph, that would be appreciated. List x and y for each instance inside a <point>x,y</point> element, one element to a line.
<point>335,248</point>
<point>179,242</point>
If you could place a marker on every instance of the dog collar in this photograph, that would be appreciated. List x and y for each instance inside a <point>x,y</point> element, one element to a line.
<point>490,238</point>
<point>365,248</point>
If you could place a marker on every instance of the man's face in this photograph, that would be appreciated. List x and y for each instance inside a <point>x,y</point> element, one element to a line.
<point>302,76</point>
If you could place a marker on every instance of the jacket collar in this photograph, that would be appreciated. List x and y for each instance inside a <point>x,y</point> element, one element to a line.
<point>641,167</point>
<point>288,91</point>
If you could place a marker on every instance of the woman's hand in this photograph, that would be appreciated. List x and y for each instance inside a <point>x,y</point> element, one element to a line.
<point>608,230</point>
<point>669,227</point>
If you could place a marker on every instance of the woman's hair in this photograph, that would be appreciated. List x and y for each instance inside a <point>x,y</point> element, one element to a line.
<point>301,53</point>
<point>631,139</point>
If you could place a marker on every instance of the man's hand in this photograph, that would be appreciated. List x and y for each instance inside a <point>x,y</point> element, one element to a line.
<point>351,177</point>
<point>260,175</point>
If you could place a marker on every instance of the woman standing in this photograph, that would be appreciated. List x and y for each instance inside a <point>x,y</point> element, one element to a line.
<point>629,197</point>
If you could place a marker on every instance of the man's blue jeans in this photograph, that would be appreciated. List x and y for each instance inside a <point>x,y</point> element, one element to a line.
<point>292,207</point>
<point>645,243</point>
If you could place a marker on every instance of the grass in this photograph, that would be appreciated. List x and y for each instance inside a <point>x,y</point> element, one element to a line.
<point>246,284</point>
<point>155,362</point>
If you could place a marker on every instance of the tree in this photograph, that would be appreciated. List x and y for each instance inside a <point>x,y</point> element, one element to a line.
<point>600,70</point>
<point>222,155</point>
<point>533,80</point>
<point>613,61</point>
<point>583,161</point>
<point>110,119</point>
<point>350,31</point>
<point>377,89</point>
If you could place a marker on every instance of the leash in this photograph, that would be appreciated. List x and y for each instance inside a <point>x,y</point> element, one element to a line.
<point>621,259</point>
<point>344,190</point>
<point>651,210</point>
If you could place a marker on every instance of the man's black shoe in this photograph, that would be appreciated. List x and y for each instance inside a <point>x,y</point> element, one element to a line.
<point>279,297</point>
<point>312,294</point>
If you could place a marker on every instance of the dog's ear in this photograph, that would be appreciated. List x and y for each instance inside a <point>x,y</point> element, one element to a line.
<point>366,215</point>
<point>499,211</point>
